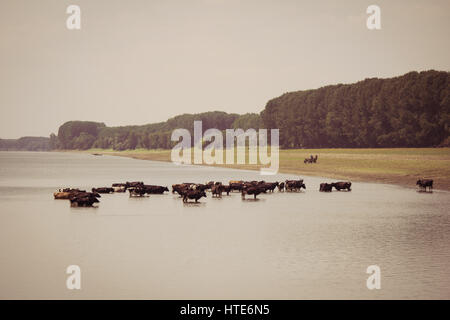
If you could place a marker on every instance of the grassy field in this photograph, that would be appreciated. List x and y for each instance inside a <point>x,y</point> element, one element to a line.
<point>397,165</point>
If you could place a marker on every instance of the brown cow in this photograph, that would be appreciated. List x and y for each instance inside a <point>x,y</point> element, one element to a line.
<point>193,194</point>
<point>152,189</point>
<point>216,190</point>
<point>83,199</point>
<point>253,190</point>
<point>342,185</point>
<point>294,185</point>
<point>236,186</point>
<point>326,187</point>
<point>424,183</point>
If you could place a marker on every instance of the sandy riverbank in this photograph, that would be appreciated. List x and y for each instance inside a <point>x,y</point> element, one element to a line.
<point>401,166</point>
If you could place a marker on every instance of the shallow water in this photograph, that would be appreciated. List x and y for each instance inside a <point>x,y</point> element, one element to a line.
<point>282,246</point>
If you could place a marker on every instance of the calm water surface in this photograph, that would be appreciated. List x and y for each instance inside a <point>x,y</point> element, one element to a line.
<point>283,246</point>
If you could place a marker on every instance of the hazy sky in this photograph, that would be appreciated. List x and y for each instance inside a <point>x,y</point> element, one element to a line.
<point>142,61</point>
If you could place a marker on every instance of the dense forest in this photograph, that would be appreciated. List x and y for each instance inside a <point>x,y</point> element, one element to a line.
<point>412,110</point>
<point>25,143</point>
<point>408,111</point>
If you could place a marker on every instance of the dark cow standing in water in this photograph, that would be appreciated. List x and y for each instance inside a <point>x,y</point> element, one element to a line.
<point>238,186</point>
<point>281,186</point>
<point>342,186</point>
<point>151,189</point>
<point>294,185</point>
<point>184,188</point>
<point>424,183</point>
<point>226,189</point>
<point>83,199</point>
<point>193,194</point>
<point>216,190</point>
<point>269,186</point>
<point>180,188</point>
<point>326,187</point>
<point>252,190</point>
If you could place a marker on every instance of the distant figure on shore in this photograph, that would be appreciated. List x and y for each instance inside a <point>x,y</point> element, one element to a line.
<point>311,159</point>
<point>424,183</point>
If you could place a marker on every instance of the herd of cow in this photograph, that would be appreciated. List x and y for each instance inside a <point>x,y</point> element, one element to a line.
<point>195,191</point>
<point>190,191</point>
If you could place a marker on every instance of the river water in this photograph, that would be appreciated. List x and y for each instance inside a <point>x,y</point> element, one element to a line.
<point>283,246</point>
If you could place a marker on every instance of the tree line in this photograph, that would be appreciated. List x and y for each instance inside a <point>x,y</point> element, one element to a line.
<point>87,134</point>
<point>412,110</point>
<point>25,144</point>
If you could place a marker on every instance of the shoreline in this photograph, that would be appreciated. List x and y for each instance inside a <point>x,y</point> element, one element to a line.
<point>387,166</point>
